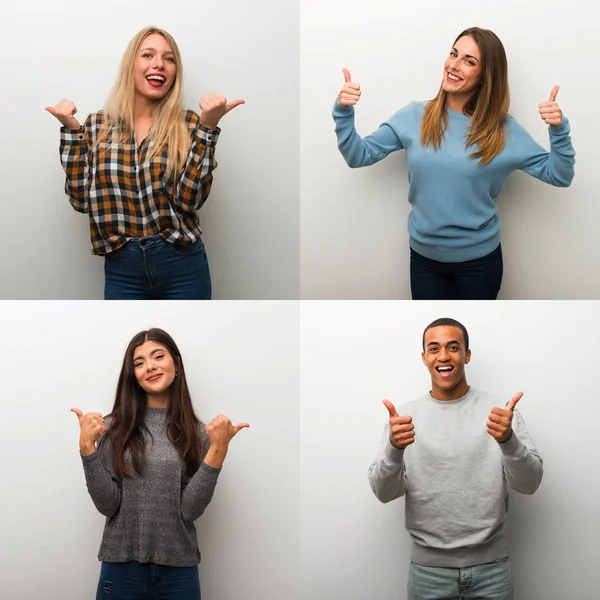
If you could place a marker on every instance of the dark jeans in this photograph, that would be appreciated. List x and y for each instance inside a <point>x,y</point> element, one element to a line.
<point>152,269</point>
<point>477,279</point>
<point>137,581</point>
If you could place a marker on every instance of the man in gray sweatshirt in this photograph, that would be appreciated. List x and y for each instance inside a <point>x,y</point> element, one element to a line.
<point>453,454</point>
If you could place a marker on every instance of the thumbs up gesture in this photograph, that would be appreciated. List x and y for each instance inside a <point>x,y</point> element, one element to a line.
<point>350,93</point>
<point>549,111</point>
<point>402,431</point>
<point>214,107</point>
<point>92,427</point>
<point>65,112</point>
<point>499,424</point>
<point>221,431</point>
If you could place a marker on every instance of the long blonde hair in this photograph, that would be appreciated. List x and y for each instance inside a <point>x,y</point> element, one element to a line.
<point>169,128</point>
<point>487,107</point>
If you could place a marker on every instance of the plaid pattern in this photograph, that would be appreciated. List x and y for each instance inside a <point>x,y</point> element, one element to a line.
<point>125,195</point>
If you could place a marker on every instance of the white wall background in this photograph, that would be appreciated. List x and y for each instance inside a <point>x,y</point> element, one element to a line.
<point>241,359</point>
<point>354,239</point>
<point>356,354</point>
<point>240,49</point>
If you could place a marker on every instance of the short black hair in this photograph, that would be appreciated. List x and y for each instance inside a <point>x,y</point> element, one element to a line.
<point>447,322</point>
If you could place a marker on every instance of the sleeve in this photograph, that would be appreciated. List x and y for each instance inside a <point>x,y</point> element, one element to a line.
<point>74,146</point>
<point>387,473</point>
<point>195,181</point>
<point>103,483</point>
<point>197,491</point>
<point>556,167</point>
<point>523,464</point>
<point>362,152</point>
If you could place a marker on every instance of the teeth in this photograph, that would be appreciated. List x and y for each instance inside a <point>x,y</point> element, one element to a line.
<point>453,77</point>
<point>156,78</point>
<point>444,368</point>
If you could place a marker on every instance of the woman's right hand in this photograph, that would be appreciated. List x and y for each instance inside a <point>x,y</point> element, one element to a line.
<point>64,112</point>
<point>220,432</point>
<point>350,93</point>
<point>92,427</point>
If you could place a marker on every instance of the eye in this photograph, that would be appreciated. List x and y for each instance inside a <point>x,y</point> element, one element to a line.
<point>147,55</point>
<point>433,349</point>
<point>170,59</point>
<point>452,53</point>
<point>454,348</point>
<point>159,356</point>
<point>470,62</point>
<point>137,364</point>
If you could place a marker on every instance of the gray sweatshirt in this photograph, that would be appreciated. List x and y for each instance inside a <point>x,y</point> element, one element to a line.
<point>150,519</point>
<point>455,479</point>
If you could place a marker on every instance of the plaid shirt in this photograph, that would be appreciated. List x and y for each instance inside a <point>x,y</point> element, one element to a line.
<point>125,195</point>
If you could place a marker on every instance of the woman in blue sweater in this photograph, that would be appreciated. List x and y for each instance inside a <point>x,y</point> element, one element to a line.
<point>461,147</point>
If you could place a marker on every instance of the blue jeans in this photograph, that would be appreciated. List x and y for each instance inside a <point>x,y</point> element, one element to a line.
<point>138,581</point>
<point>152,269</point>
<point>491,581</point>
<point>478,279</point>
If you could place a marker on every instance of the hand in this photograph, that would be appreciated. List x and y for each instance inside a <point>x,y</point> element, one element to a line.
<point>549,111</point>
<point>92,427</point>
<point>350,93</point>
<point>402,431</point>
<point>64,112</point>
<point>221,430</point>
<point>213,107</point>
<point>499,424</point>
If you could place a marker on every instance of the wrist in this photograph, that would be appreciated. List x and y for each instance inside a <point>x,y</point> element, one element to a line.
<point>87,449</point>
<point>208,123</point>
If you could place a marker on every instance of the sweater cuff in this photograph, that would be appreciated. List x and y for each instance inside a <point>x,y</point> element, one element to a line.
<point>393,455</point>
<point>207,137</point>
<point>342,111</point>
<point>513,447</point>
<point>562,129</point>
<point>88,459</point>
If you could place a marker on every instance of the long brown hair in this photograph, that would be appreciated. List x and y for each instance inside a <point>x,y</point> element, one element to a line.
<point>169,130</point>
<point>127,416</point>
<point>487,107</point>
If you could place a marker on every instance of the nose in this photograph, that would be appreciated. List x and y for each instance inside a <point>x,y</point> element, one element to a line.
<point>443,355</point>
<point>158,61</point>
<point>454,64</point>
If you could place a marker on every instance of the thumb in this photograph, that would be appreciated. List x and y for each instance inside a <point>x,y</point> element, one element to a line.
<point>77,412</point>
<point>511,405</point>
<point>231,105</point>
<point>553,93</point>
<point>50,109</point>
<point>240,426</point>
<point>391,408</point>
<point>347,76</point>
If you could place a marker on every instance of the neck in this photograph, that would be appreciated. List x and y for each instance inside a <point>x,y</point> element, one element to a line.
<point>455,393</point>
<point>142,108</point>
<point>157,400</point>
<point>456,102</point>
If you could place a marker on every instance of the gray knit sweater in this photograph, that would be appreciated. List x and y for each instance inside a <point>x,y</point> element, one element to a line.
<point>455,479</point>
<point>150,519</point>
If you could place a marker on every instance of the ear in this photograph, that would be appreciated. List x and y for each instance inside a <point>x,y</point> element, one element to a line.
<point>423,358</point>
<point>467,356</point>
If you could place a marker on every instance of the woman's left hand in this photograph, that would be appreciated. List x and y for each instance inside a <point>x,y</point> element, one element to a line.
<point>214,107</point>
<point>549,111</point>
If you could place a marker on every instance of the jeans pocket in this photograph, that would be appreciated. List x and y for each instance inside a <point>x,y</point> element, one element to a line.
<point>194,249</point>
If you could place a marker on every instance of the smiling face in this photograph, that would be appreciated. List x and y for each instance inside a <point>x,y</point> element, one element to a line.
<point>462,69</point>
<point>445,357</point>
<point>154,368</point>
<point>154,68</point>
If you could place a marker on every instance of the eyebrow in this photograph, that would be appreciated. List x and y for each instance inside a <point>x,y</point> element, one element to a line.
<point>434,343</point>
<point>151,354</point>
<point>467,55</point>
<point>154,50</point>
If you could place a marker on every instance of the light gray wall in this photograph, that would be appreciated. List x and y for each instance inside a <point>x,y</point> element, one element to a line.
<point>240,49</point>
<point>356,354</point>
<point>241,359</point>
<point>354,239</point>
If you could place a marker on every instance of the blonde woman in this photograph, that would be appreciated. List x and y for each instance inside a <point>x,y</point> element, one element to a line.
<point>461,147</point>
<point>141,169</point>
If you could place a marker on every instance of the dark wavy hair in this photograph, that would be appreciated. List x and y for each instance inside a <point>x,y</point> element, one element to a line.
<point>128,412</point>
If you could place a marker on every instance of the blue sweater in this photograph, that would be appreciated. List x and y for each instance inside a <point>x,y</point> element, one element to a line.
<point>454,215</point>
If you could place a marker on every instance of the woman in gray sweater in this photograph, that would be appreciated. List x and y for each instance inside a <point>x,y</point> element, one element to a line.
<point>151,467</point>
